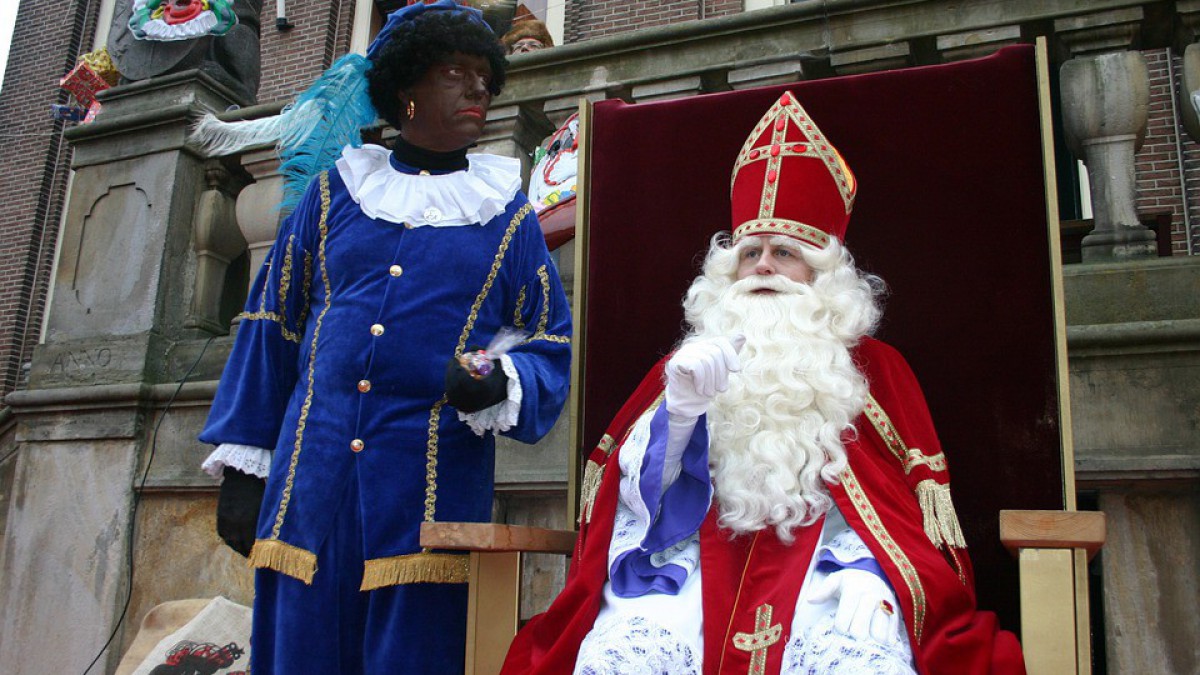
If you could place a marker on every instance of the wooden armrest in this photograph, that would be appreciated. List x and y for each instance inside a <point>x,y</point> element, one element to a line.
<point>1052,529</point>
<point>492,537</point>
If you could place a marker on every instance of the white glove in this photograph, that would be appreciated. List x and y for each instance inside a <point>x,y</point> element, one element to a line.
<point>698,371</point>
<point>867,608</point>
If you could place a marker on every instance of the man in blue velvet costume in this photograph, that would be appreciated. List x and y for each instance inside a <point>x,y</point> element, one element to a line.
<point>344,389</point>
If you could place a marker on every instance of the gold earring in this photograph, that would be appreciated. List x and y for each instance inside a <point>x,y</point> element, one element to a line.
<point>412,108</point>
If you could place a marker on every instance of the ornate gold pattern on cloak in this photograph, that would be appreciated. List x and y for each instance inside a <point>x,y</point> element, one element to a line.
<point>866,511</point>
<point>914,458</point>
<point>274,553</point>
<point>766,204</point>
<point>593,474</point>
<point>883,425</point>
<point>790,228</point>
<point>606,444</point>
<point>544,317</point>
<point>262,297</point>
<point>758,642</point>
<point>415,568</point>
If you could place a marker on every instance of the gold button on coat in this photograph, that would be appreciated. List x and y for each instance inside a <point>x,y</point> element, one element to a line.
<point>364,386</point>
<point>395,270</point>
<point>357,445</point>
<point>377,330</point>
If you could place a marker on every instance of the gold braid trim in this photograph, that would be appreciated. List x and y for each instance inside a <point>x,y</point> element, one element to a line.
<point>290,482</point>
<point>435,413</point>
<point>307,286</point>
<point>592,476</point>
<point>272,316</point>
<point>431,460</point>
<point>517,311</point>
<point>883,425</point>
<point>284,558</point>
<point>606,444</point>
<point>866,511</point>
<point>545,317</point>
<point>941,522</point>
<point>415,568</point>
<point>285,277</point>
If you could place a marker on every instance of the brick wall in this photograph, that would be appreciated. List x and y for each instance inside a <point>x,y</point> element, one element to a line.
<point>1159,188</point>
<point>49,36</point>
<point>293,58</point>
<point>588,19</point>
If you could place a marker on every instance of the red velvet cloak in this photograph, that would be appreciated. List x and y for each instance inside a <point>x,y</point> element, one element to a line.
<point>894,494</point>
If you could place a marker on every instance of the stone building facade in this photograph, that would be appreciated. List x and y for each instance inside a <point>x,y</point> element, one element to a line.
<point>95,407</point>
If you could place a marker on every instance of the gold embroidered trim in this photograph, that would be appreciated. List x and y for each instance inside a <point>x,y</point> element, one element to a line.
<point>758,642</point>
<point>789,228</point>
<point>817,146</point>
<point>491,277</point>
<point>915,458</point>
<point>883,425</point>
<point>593,474</point>
<point>307,287</point>
<point>544,319</point>
<point>415,568</point>
<point>289,483</point>
<point>285,277</point>
<point>517,321</point>
<point>435,413</point>
<point>284,558</point>
<point>907,572</point>
<point>606,444</point>
<point>262,297</point>
<point>272,316</point>
<point>941,521</point>
<point>431,460</point>
<point>560,339</point>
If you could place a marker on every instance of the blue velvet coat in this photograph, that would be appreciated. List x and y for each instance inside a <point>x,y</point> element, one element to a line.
<point>339,362</point>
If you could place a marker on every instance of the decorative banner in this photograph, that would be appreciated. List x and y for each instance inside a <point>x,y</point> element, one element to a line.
<point>166,20</point>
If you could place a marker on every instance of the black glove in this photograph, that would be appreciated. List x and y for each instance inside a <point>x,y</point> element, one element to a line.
<point>237,509</point>
<point>471,395</point>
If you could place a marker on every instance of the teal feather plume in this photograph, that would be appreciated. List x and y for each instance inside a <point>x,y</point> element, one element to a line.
<point>309,134</point>
<point>324,119</point>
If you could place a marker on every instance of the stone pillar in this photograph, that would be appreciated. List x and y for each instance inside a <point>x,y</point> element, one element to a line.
<point>123,290</point>
<point>258,214</point>
<point>217,242</point>
<point>514,131</point>
<point>1105,101</point>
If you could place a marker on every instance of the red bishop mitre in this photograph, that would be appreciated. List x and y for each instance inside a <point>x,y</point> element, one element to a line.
<point>789,180</point>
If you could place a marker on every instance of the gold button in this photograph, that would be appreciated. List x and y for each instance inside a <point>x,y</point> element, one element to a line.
<point>357,445</point>
<point>377,330</point>
<point>364,386</point>
<point>395,270</point>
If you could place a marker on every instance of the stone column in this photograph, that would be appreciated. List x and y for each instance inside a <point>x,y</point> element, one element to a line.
<point>123,290</point>
<point>1105,101</point>
<point>258,214</point>
<point>514,131</point>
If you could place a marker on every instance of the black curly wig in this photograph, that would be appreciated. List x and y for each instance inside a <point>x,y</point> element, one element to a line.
<point>420,44</point>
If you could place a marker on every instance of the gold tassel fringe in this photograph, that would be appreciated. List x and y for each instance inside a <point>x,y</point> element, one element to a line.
<point>285,559</point>
<point>415,568</point>
<point>941,522</point>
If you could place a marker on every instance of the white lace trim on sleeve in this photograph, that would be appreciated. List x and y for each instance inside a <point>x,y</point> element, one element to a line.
<point>504,415</point>
<point>245,458</point>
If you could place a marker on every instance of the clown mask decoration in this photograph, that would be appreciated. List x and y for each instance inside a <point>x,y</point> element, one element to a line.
<point>164,20</point>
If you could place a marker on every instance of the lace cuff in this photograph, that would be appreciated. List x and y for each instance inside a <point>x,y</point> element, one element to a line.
<point>504,415</point>
<point>245,458</point>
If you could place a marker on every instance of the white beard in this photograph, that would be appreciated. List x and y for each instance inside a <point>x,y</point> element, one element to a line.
<point>777,432</point>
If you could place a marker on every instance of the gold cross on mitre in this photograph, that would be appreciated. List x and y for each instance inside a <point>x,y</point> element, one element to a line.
<point>760,640</point>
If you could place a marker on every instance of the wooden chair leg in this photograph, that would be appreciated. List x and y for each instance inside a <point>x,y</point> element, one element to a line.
<point>493,609</point>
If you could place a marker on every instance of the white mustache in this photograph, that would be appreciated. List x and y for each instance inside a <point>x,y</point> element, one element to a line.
<point>774,282</point>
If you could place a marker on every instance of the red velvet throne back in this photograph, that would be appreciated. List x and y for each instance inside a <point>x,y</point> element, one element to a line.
<point>951,212</point>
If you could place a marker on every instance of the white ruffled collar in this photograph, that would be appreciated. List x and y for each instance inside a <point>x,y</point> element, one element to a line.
<point>474,196</point>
